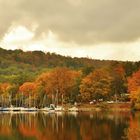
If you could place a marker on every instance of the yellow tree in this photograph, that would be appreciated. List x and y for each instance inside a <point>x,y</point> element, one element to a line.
<point>5,97</point>
<point>96,85</point>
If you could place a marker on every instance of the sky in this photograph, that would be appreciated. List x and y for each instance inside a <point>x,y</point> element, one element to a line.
<point>98,29</point>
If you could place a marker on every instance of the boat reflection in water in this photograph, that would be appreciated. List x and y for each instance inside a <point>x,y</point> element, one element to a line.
<point>66,126</point>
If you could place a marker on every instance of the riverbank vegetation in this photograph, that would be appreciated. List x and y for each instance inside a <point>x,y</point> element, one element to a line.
<point>38,79</point>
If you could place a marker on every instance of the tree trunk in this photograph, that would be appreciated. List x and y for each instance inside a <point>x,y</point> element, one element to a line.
<point>62,97</point>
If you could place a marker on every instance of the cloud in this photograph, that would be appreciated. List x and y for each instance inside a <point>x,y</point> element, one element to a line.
<point>80,21</point>
<point>22,38</point>
<point>101,29</point>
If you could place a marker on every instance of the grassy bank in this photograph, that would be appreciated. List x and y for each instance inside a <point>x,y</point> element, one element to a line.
<point>105,107</point>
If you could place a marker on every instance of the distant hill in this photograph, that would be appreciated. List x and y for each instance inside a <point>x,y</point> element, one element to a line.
<point>16,63</point>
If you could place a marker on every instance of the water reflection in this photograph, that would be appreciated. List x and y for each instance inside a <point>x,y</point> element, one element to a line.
<point>66,126</point>
<point>133,131</point>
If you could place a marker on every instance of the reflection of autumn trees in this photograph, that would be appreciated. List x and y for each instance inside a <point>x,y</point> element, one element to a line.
<point>28,131</point>
<point>52,129</point>
<point>84,126</point>
<point>37,126</point>
<point>133,132</point>
<point>101,126</point>
<point>5,125</point>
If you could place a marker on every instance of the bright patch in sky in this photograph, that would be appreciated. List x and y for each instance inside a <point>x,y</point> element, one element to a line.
<point>18,34</point>
<point>22,38</point>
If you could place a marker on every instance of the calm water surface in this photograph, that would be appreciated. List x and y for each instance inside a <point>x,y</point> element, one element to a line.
<point>67,126</point>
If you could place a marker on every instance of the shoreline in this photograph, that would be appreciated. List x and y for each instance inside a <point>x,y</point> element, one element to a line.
<point>106,107</point>
<point>103,106</point>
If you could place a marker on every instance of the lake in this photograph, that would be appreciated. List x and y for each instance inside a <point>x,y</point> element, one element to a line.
<point>69,126</point>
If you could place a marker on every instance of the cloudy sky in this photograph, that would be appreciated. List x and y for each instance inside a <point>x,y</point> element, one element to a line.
<point>100,29</point>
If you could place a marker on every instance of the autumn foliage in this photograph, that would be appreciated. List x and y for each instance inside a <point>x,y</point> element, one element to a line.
<point>28,88</point>
<point>134,82</point>
<point>58,82</point>
<point>96,85</point>
<point>50,78</point>
<point>134,86</point>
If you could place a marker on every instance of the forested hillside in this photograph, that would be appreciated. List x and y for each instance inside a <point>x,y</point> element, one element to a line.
<point>41,75</point>
<point>14,64</point>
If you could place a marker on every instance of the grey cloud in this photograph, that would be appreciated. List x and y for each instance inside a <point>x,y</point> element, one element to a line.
<point>84,21</point>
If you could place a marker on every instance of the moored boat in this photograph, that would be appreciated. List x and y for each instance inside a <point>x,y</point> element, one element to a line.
<point>45,109</point>
<point>10,108</point>
<point>30,109</point>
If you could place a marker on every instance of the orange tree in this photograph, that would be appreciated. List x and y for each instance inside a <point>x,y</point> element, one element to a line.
<point>28,90</point>
<point>134,86</point>
<point>43,95</point>
<point>58,83</point>
<point>96,85</point>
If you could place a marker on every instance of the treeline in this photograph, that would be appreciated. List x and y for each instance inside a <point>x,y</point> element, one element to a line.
<point>37,78</point>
